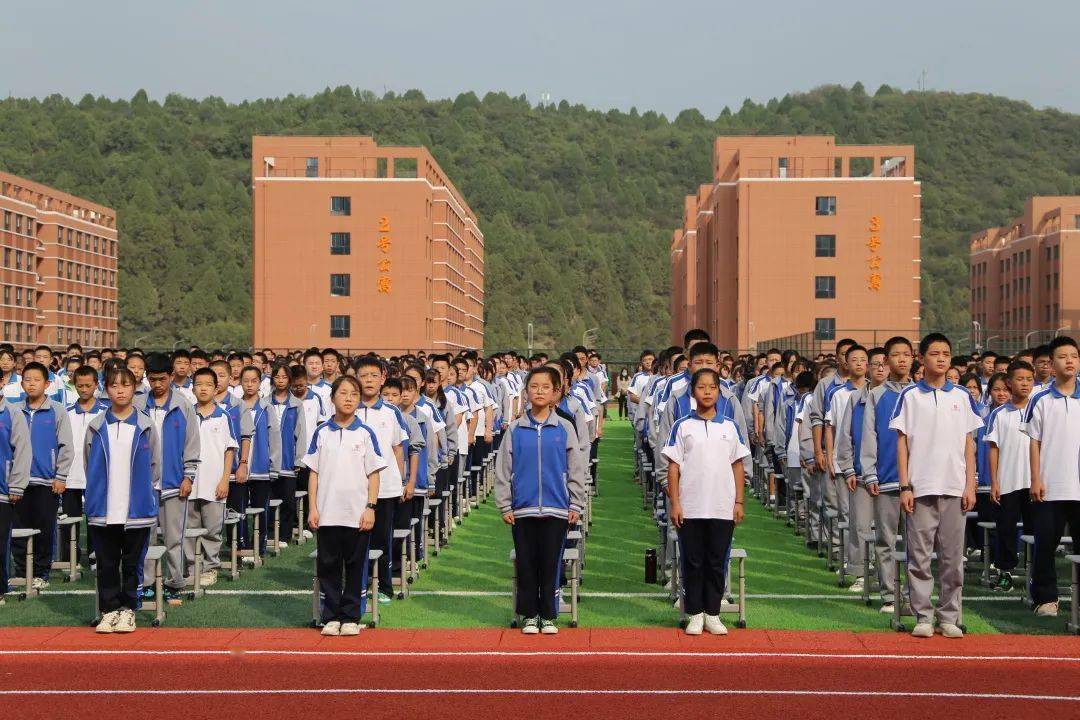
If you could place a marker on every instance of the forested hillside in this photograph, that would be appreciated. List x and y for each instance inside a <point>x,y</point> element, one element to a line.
<point>577,205</point>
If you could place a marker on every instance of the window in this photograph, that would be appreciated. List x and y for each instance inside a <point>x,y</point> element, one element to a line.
<point>7,257</point>
<point>1057,251</point>
<point>7,331</point>
<point>71,234</point>
<point>1076,221</point>
<point>18,223</point>
<point>69,303</point>
<point>59,302</point>
<point>825,246</point>
<point>340,205</point>
<point>825,205</point>
<point>825,287</point>
<point>340,243</point>
<point>339,284</point>
<point>825,329</point>
<point>18,332</point>
<point>78,272</point>
<point>78,304</point>
<point>7,220</point>
<point>311,167</point>
<point>339,326</point>
<point>7,294</point>
<point>29,298</point>
<point>18,259</point>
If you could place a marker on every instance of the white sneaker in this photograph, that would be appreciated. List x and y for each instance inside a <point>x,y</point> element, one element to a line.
<point>282,544</point>
<point>308,535</point>
<point>950,631</point>
<point>1049,609</point>
<point>350,628</point>
<point>332,628</point>
<point>923,630</point>
<point>548,627</point>
<point>248,560</point>
<point>108,622</point>
<point>887,609</point>
<point>714,625</point>
<point>531,626</point>
<point>125,623</point>
<point>695,624</point>
<point>39,583</point>
<point>857,586</point>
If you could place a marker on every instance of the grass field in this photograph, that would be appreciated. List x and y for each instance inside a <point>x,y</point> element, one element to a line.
<point>467,585</point>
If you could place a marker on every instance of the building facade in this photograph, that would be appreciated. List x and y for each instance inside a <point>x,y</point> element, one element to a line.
<point>799,241</point>
<point>1020,289</point>
<point>59,272</point>
<point>362,247</point>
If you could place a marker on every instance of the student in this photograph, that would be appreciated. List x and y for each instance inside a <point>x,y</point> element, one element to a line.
<point>255,470</point>
<point>343,485</point>
<point>177,429</point>
<point>331,365</point>
<point>50,439</point>
<point>391,433</point>
<point>123,470</point>
<point>799,448</point>
<point>419,469</point>
<point>1052,421</point>
<point>1010,468</point>
<point>313,366</point>
<point>1044,369</point>
<point>12,381</point>
<point>80,414</point>
<point>935,453</point>
<point>217,448</point>
<point>853,500</point>
<point>181,375</point>
<point>15,458</point>
<point>705,500</point>
<point>996,395</point>
<point>287,412</point>
<point>316,411</point>
<point>540,490</point>
<point>136,363</point>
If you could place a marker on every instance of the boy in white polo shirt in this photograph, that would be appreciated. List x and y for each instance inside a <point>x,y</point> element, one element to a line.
<point>217,448</point>
<point>1052,421</point>
<point>344,483</point>
<point>936,466</point>
<point>1010,467</point>
<point>705,496</point>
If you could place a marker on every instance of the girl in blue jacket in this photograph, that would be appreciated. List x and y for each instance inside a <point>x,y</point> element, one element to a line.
<point>540,491</point>
<point>123,464</point>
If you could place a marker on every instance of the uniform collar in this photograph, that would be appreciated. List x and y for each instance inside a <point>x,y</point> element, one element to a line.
<point>151,401</point>
<point>549,421</point>
<point>98,407</point>
<point>351,426</point>
<point>717,418</point>
<point>1058,394</point>
<point>218,412</point>
<point>925,387</point>
<point>132,419</point>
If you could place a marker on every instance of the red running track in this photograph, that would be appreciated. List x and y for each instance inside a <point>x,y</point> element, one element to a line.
<point>602,673</point>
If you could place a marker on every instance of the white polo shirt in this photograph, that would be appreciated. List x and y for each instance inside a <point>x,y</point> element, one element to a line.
<point>839,406</point>
<point>390,431</point>
<point>457,398</point>
<point>481,403</point>
<point>1014,463</point>
<point>118,497</point>
<point>315,413</point>
<point>1054,420</point>
<point>323,389</point>
<point>80,421</point>
<point>704,451</point>
<point>937,423</point>
<point>215,439</point>
<point>343,457</point>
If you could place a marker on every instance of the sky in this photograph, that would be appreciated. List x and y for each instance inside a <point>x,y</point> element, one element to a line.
<point>654,55</point>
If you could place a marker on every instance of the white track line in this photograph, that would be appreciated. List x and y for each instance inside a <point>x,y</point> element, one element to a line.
<point>874,657</point>
<point>654,692</point>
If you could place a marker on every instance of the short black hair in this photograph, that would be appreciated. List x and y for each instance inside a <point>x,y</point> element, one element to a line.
<point>934,337</point>
<point>251,368</point>
<point>1041,351</point>
<point>181,354</point>
<point>367,361</point>
<point>82,371</point>
<point>897,340</point>
<point>157,363</point>
<point>704,348</point>
<point>204,372</point>
<point>695,335</point>
<point>875,351</point>
<point>552,374</point>
<point>854,348</point>
<point>805,381</point>
<point>296,372</point>
<point>702,373</point>
<point>392,384</point>
<point>1018,365</point>
<point>1061,341</point>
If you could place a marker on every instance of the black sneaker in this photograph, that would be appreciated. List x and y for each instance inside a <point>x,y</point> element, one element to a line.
<point>1004,582</point>
<point>173,597</point>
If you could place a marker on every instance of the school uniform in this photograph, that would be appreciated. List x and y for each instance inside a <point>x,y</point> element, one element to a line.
<point>459,466</point>
<point>316,411</point>
<point>539,477</point>
<point>204,509</point>
<point>847,412</point>
<point>704,450</point>
<point>937,423</point>
<point>877,459</point>
<point>798,448</point>
<point>834,404</point>
<point>342,457</point>
<point>71,502</point>
<point>184,390</point>
<point>293,441</point>
<point>50,440</point>
<point>13,391</point>
<point>1053,419</point>
<point>15,458</point>
<point>985,509</point>
<point>123,472</point>
<point>484,404</point>
<point>173,418</point>
<point>1004,430</point>
<point>257,426</point>
<point>390,430</point>
<point>323,389</point>
<point>415,457</point>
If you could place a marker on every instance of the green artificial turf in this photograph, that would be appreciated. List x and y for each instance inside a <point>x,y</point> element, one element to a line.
<point>476,561</point>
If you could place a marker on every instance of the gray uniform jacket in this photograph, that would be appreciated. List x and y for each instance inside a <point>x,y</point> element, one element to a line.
<point>18,472</point>
<point>842,438</point>
<point>868,449</point>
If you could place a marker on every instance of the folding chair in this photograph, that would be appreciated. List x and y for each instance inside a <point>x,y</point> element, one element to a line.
<point>434,512</point>
<point>298,531</point>
<point>447,516</point>
<point>230,526</point>
<point>868,541</point>
<point>414,566</point>
<point>1073,626</point>
<point>197,589</point>
<point>70,567</point>
<point>154,553</point>
<point>987,528</point>
<point>404,536</point>
<point>27,581</point>
<point>830,517</point>
<point>842,527</point>
<point>370,592</point>
<point>275,509</point>
<point>253,514</point>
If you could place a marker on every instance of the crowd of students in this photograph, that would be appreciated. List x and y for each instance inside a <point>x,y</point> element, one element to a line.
<point>895,441</point>
<point>148,445</point>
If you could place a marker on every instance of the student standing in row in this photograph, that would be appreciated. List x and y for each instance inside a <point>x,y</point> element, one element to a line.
<point>540,486</point>
<point>80,414</point>
<point>343,486</point>
<point>1052,421</point>
<point>15,457</point>
<point>123,472</point>
<point>287,412</point>
<point>936,466</point>
<point>705,500</point>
